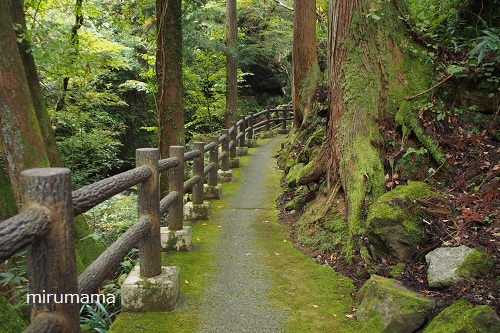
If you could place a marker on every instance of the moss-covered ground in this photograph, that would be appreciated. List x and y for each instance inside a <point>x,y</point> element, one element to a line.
<point>315,298</point>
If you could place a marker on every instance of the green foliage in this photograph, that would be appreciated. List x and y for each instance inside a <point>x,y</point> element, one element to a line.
<point>113,217</point>
<point>96,318</point>
<point>14,277</point>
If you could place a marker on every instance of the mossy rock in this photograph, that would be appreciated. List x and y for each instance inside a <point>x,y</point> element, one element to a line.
<point>394,227</point>
<point>10,321</point>
<point>463,317</point>
<point>448,265</point>
<point>293,175</point>
<point>385,306</point>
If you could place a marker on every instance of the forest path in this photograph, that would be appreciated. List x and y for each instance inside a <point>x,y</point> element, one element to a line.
<point>243,275</point>
<point>235,300</point>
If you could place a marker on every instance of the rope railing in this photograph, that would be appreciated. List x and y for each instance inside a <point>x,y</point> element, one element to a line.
<point>49,206</point>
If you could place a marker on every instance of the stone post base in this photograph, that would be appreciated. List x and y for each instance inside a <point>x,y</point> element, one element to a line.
<point>179,240</point>
<point>225,176</point>
<point>234,163</point>
<point>251,143</point>
<point>212,192</point>
<point>194,211</point>
<point>241,151</point>
<point>156,294</point>
<point>283,131</point>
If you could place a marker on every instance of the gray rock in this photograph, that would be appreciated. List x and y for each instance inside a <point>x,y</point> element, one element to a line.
<point>447,265</point>
<point>386,307</point>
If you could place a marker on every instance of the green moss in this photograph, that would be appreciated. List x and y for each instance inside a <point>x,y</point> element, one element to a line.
<point>293,174</point>
<point>463,317</point>
<point>7,200</point>
<point>475,264</point>
<point>87,248</point>
<point>397,270</point>
<point>386,306</point>
<point>10,321</point>
<point>394,229</point>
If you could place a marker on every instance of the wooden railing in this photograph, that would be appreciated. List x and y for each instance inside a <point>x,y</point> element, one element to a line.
<point>45,224</point>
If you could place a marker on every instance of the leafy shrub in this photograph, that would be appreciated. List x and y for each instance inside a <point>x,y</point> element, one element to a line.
<point>113,217</point>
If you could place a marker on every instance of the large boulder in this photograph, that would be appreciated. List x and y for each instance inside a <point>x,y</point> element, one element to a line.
<point>386,307</point>
<point>463,317</point>
<point>447,265</point>
<point>394,227</point>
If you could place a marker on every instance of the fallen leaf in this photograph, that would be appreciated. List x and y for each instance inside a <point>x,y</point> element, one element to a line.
<point>219,226</point>
<point>186,281</point>
<point>198,239</point>
<point>276,253</point>
<point>284,241</point>
<point>248,254</point>
<point>204,224</point>
<point>315,306</point>
<point>350,316</point>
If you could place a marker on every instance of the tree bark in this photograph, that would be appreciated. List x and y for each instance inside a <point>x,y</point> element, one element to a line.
<point>231,64</point>
<point>306,71</point>
<point>23,145</point>
<point>371,69</point>
<point>170,102</point>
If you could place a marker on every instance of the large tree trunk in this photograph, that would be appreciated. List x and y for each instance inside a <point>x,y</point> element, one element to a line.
<point>371,69</point>
<point>231,64</point>
<point>306,71</point>
<point>23,145</point>
<point>170,101</point>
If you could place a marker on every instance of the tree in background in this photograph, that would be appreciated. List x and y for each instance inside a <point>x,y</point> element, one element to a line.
<point>231,63</point>
<point>170,102</point>
<point>306,73</point>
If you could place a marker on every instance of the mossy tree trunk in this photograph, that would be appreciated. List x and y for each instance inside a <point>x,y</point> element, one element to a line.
<point>305,66</point>
<point>170,101</point>
<point>231,64</point>
<point>22,134</point>
<point>372,66</point>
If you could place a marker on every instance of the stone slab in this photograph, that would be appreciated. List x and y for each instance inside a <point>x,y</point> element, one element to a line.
<point>195,212</point>
<point>156,294</point>
<point>225,176</point>
<point>241,151</point>
<point>179,240</point>
<point>212,192</point>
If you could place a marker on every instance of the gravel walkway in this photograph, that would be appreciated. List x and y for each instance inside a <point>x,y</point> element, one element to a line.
<point>235,300</point>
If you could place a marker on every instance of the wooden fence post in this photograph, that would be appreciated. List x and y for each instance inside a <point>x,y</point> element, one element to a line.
<point>285,114</point>
<point>232,150</point>
<point>268,119</point>
<point>148,200</point>
<point>214,158</point>
<point>242,130</point>
<point>52,258</point>
<point>225,149</point>
<point>176,183</point>
<point>250,125</point>
<point>198,166</point>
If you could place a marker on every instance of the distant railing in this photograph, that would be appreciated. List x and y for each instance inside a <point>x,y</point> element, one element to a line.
<point>49,207</point>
